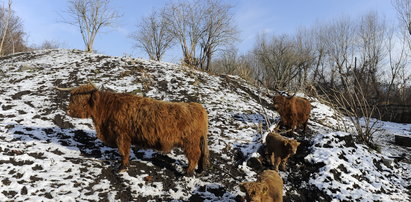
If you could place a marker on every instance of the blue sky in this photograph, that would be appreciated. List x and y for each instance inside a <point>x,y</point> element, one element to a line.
<point>41,19</point>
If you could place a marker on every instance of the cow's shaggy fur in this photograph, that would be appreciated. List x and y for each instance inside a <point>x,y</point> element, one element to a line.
<point>269,187</point>
<point>294,111</point>
<point>122,120</point>
<point>280,149</point>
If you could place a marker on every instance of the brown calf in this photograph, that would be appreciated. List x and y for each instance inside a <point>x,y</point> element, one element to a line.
<point>280,149</point>
<point>122,120</point>
<point>269,187</point>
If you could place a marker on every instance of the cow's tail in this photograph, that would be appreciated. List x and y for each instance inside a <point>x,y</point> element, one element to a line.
<point>204,162</point>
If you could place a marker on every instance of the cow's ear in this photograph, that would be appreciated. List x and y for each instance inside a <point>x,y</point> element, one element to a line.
<point>93,98</point>
<point>244,186</point>
<point>286,142</point>
<point>264,189</point>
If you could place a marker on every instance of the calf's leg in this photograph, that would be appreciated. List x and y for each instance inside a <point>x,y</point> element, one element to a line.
<point>284,164</point>
<point>272,159</point>
<point>305,126</point>
<point>277,163</point>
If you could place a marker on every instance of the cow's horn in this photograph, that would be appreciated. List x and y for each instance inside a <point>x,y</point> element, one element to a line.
<point>289,97</point>
<point>281,93</point>
<point>284,132</point>
<point>91,83</point>
<point>64,89</point>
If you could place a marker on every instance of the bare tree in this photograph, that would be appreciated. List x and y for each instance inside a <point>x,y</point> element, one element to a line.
<point>5,19</point>
<point>304,46</point>
<point>403,8</point>
<point>284,61</point>
<point>15,39</point>
<point>183,22</point>
<point>47,44</point>
<point>318,32</point>
<point>152,36</point>
<point>231,62</point>
<point>274,57</point>
<point>227,62</point>
<point>338,40</point>
<point>11,32</point>
<point>371,35</point>
<point>245,68</point>
<point>218,30</point>
<point>90,16</point>
<point>397,62</point>
<point>201,27</point>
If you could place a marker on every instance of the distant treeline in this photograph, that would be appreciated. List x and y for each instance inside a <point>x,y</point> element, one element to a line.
<point>395,113</point>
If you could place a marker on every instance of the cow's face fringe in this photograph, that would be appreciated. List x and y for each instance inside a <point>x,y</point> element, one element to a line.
<point>255,190</point>
<point>80,101</point>
<point>279,102</point>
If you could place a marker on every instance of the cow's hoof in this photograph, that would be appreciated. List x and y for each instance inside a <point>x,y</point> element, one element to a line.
<point>190,173</point>
<point>202,173</point>
<point>122,169</point>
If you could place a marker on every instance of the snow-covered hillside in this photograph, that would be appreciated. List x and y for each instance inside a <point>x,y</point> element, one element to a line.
<point>46,155</point>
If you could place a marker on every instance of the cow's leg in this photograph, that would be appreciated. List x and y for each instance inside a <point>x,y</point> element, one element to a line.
<point>193,153</point>
<point>124,147</point>
<point>272,159</point>
<point>279,125</point>
<point>277,163</point>
<point>305,126</point>
<point>284,164</point>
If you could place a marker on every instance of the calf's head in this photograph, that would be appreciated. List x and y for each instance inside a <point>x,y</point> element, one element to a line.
<point>291,146</point>
<point>255,191</point>
<point>80,100</point>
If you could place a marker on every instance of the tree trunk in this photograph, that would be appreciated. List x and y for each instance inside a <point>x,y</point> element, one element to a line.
<point>208,61</point>
<point>89,47</point>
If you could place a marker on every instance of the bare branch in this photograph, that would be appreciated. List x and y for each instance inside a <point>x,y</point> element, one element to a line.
<point>152,36</point>
<point>201,27</point>
<point>90,16</point>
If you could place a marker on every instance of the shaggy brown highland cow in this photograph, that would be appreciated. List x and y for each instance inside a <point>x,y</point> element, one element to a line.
<point>294,111</point>
<point>280,149</point>
<point>269,187</point>
<point>122,120</point>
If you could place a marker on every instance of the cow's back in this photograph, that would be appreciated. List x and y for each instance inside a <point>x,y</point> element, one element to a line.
<point>164,125</point>
<point>274,143</point>
<point>147,122</point>
<point>303,109</point>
